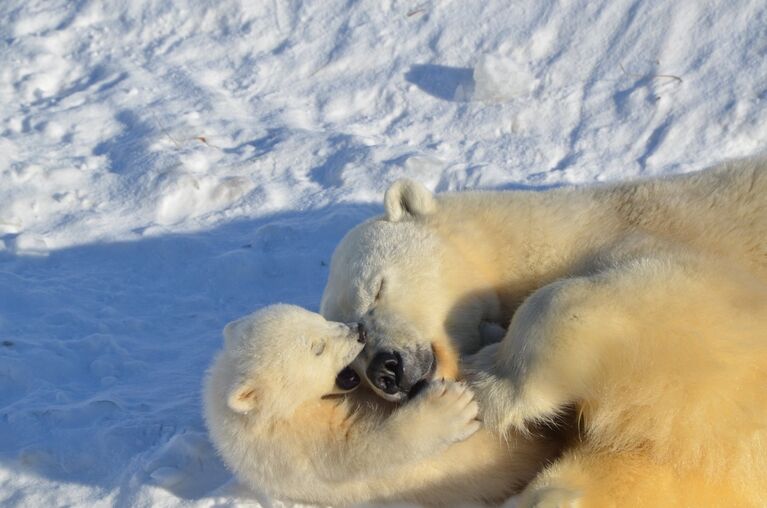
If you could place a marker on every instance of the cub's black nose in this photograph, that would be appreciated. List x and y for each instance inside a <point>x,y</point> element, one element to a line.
<point>347,379</point>
<point>363,333</point>
<point>385,372</point>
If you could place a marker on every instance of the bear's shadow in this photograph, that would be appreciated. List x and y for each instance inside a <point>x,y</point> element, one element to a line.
<point>103,347</point>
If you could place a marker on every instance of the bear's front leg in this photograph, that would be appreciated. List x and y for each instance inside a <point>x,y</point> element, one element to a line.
<point>545,361</point>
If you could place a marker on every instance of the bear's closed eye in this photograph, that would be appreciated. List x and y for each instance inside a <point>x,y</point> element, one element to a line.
<point>380,290</point>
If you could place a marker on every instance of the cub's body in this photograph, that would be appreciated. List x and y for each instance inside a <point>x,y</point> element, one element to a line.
<point>281,426</point>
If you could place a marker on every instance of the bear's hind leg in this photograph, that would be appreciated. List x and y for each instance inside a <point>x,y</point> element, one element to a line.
<point>589,478</point>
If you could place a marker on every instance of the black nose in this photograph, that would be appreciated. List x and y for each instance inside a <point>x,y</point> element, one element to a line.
<point>363,333</point>
<point>347,379</point>
<point>385,371</point>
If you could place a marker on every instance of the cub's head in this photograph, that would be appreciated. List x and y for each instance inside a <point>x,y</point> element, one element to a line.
<point>413,291</point>
<point>282,356</point>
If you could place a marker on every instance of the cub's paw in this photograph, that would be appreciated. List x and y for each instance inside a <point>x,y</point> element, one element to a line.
<point>447,412</point>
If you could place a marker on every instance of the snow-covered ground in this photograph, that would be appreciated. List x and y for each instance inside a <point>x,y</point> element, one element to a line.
<point>168,166</point>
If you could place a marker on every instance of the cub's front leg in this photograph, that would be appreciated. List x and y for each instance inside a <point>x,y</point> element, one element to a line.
<point>444,413</point>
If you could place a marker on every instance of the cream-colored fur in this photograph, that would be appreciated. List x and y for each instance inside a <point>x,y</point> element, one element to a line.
<point>281,425</point>
<point>644,304</point>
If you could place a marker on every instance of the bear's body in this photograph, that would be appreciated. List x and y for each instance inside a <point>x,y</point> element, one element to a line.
<point>281,425</point>
<point>642,303</point>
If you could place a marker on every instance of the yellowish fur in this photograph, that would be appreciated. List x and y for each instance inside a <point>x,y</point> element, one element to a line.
<point>643,303</point>
<point>669,369</point>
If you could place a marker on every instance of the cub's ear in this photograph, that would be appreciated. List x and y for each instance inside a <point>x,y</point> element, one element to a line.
<point>408,198</point>
<point>242,397</point>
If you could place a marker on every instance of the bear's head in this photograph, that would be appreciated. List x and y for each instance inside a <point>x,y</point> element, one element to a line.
<point>412,290</point>
<point>282,356</point>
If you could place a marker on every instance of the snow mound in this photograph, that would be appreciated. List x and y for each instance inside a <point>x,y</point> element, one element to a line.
<point>500,79</point>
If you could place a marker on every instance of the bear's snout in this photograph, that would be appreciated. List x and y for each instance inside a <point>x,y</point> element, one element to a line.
<point>385,372</point>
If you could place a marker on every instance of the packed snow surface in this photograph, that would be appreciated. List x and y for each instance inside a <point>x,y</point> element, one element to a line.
<point>166,167</point>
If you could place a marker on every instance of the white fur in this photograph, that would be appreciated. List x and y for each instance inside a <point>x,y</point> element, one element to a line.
<point>644,304</point>
<point>271,417</point>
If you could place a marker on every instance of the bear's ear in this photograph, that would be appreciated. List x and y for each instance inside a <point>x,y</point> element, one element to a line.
<point>408,198</point>
<point>242,397</point>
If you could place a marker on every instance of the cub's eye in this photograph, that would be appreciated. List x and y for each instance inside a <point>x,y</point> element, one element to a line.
<point>318,348</point>
<point>380,290</point>
<point>347,379</point>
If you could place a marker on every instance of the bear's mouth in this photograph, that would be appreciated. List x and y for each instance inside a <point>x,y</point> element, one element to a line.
<point>424,381</point>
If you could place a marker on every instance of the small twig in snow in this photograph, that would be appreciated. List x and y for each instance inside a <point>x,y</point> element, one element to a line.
<point>204,140</point>
<point>165,131</point>
<point>418,10</point>
<point>651,76</point>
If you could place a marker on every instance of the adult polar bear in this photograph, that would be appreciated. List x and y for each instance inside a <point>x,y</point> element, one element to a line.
<point>644,304</point>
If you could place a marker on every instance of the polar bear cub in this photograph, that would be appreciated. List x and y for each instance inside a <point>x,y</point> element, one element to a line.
<point>276,409</point>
